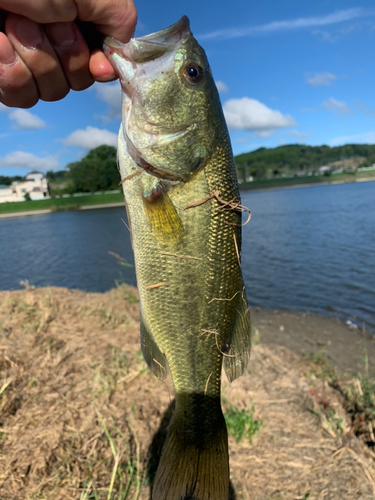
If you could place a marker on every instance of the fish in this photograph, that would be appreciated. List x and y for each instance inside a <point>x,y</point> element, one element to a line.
<point>184,212</point>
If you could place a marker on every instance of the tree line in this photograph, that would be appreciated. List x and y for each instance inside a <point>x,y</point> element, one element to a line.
<point>98,171</point>
<point>297,158</point>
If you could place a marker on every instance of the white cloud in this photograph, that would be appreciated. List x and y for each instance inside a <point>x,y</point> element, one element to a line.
<point>365,138</point>
<point>91,138</point>
<point>25,120</point>
<point>319,79</point>
<point>336,106</point>
<point>263,133</point>
<point>21,159</point>
<point>356,26</point>
<point>250,114</point>
<point>242,141</point>
<point>22,119</point>
<point>339,16</point>
<point>297,133</point>
<point>110,93</point>
<point>364,109</point>
<point>221,86</point>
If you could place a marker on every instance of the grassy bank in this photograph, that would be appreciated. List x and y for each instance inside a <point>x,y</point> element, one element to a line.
<point>82,418</point>
<point>71,203</point>
<point>306,180</point>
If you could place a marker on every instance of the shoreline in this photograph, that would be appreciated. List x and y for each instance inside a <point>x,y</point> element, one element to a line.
<point>349,350</point>
<point>346,348</point>
<point>244,189</point>
<point>49,210</point>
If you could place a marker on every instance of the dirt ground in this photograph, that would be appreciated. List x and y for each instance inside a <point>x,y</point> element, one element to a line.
<point>82,418</point>
<point>347,348</point>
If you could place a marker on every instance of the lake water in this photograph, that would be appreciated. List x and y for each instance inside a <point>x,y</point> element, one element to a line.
<point>310,249</point>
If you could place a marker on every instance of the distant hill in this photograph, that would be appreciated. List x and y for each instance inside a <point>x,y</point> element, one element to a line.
<point>298,159</point>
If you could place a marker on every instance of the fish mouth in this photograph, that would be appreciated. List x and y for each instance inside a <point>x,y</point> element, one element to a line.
<point>149,47</point>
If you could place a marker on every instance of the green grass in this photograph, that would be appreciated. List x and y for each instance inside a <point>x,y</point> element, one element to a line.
<point>241,423</point>
<point>125,477</point>
<point>362,396</point>
<point>71,203</point>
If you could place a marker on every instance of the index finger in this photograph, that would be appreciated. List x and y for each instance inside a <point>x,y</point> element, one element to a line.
<point>115,18</point>
<point>41,11</point>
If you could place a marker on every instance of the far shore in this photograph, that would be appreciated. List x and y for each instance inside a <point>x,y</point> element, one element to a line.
<point>90,206</point>
<point>312,184</point>
<point>51,210</point>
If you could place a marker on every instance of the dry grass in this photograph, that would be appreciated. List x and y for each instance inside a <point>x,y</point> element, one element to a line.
<point>81,418</point>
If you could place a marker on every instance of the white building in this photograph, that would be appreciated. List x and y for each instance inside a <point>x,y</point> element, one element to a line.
<point>323,169</point>
<point>34,183</point>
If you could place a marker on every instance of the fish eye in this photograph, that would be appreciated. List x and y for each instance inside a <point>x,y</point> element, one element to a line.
<point>193,73</point>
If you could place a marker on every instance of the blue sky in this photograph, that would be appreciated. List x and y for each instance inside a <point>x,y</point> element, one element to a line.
<point>288,72</point>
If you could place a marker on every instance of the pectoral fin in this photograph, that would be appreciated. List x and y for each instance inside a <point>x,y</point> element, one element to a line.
<point>240,342</point>
<point>162,215</point>
<point>155,359</point>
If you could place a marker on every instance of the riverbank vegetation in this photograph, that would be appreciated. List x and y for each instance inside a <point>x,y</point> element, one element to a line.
<point>85,182</point>
<point>60,204</point>
<point>283,166</point>
<point>82,418</point>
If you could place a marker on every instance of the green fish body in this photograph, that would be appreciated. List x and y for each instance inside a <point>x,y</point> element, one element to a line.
<point>182,199</point>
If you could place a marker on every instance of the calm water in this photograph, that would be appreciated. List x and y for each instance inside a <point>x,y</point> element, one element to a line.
<point>309,249</point>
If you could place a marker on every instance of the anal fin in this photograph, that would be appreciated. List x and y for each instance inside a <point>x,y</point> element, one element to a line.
<point>155,359</point>
<point>240,342</point>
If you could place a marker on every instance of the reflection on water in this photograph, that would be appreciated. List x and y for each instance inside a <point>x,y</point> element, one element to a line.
<point>309,248</point>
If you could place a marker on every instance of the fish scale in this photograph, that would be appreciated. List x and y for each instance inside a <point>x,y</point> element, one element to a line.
<point>177,168</point>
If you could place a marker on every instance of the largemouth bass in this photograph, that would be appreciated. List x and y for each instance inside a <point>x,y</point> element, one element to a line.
<point>182,200</point>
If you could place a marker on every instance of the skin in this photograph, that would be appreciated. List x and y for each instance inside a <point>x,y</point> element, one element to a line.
<point>44,48</point>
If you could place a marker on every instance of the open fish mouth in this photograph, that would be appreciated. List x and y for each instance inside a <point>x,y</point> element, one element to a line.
<point>154,47</point>
<point>149,47</point>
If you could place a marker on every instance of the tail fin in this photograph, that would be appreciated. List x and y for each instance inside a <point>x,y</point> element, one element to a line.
<point>194,465</point>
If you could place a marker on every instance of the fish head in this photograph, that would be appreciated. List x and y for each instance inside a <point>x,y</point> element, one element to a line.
<point>171,109</point>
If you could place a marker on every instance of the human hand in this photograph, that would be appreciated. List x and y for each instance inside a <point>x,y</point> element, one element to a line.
<point>45,47</point>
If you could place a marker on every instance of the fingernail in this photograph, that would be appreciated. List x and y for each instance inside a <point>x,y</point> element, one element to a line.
<point>7,52</point>
<point>62,35</point>
<point>28,33</point>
